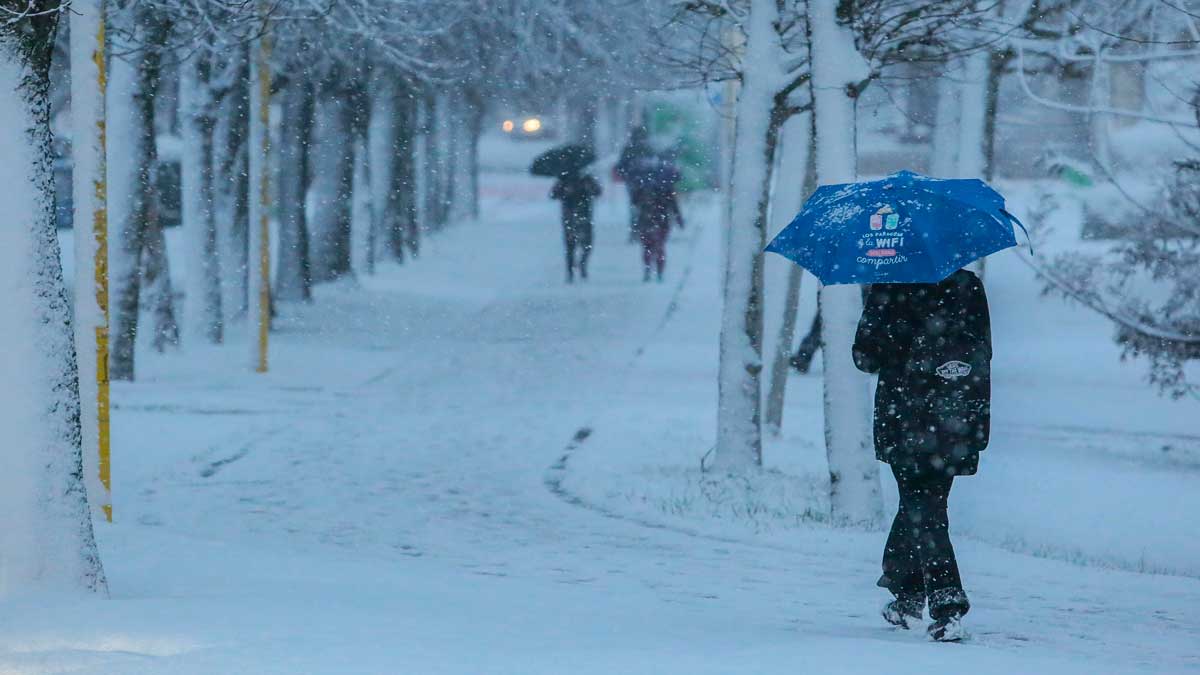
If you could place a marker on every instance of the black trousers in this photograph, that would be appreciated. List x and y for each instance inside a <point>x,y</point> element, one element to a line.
<point>577,234</point>
<point>918,559</point>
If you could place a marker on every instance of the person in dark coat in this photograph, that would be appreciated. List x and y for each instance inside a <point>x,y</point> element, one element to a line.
<point>630,167</point>
<point>657,209</point>
<point>931,346</point>
<point>576,191</point>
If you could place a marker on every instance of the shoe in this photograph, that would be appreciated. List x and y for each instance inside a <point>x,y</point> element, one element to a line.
<point>646,275</point>
<point>947,629</point>
<point>899,611</point>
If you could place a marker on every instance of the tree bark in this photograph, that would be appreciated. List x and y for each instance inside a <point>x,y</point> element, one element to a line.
<point>202,319</point>
<point>47,540</point>
<point>293,278</point>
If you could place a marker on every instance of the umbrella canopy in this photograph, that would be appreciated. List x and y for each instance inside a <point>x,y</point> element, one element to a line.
<point>906,228</point>
<point>562,160</point>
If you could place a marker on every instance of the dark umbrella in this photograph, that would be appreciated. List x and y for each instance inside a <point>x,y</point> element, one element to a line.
<point>562,160</point>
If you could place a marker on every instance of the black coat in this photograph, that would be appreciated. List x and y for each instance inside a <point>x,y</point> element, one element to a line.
<point>931,345</point>
<point>576,192</point>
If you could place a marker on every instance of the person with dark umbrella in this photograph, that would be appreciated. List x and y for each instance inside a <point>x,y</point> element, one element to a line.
<point>931,346</point>
<point>576,191</point>
<point>925,330</point>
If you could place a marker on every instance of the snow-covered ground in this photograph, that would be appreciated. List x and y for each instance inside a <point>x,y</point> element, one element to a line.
<point>463,465</point>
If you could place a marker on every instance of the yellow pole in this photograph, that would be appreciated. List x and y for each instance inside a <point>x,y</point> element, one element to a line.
<point>264,195</point>
<point>89,191</point>
<point>100,232</point>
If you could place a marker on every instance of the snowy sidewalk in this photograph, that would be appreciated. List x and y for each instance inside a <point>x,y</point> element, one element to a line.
<point>378,503</point>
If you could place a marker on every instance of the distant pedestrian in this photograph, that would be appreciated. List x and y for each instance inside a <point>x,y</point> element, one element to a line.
<point>631,168</point>
<point>577,191</point>
<point>931,346</point>
<point>657,208</point>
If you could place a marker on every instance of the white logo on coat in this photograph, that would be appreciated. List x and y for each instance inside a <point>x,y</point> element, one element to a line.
<point>953,370</point>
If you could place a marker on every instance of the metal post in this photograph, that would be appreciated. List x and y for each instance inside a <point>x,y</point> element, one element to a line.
<point>260,234</point>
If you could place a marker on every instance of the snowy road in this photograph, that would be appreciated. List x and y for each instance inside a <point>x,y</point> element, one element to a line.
<point>379,502</point>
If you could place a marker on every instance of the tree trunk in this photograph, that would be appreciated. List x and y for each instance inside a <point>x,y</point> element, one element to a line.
<point>945,132</point>
<point>473,112</point>
<point>332,184</point>
<point>231,183</point>
<point>789,197</point>
<point>973,118</point>
<point>739,421</point>
<point>47,540</point>
<point>202,285</point>
<point>386,176</point>
<point>156,275</point>
<point>464,116</point>
<point>855,497</point>
<point>362,235</point>
<point>293,278</point>
<point>420,165</point>
<point>997,62</point>
<point>405,175</point>
<point>435,161</point>
<point>131,189</point>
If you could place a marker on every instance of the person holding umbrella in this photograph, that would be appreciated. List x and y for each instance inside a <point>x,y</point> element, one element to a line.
<point>576,190</point>
<point>926,331</point>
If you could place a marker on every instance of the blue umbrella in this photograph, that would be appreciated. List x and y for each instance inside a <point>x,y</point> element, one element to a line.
<point>906,228</point>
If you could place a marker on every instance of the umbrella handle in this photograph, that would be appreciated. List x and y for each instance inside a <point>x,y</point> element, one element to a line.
<point>1021,225</point>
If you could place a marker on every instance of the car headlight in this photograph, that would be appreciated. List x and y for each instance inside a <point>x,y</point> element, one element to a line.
<point>508,126</point>
<point>531,125</point>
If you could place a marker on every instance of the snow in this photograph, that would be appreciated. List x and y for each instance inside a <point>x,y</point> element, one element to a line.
<point>393,496</point>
